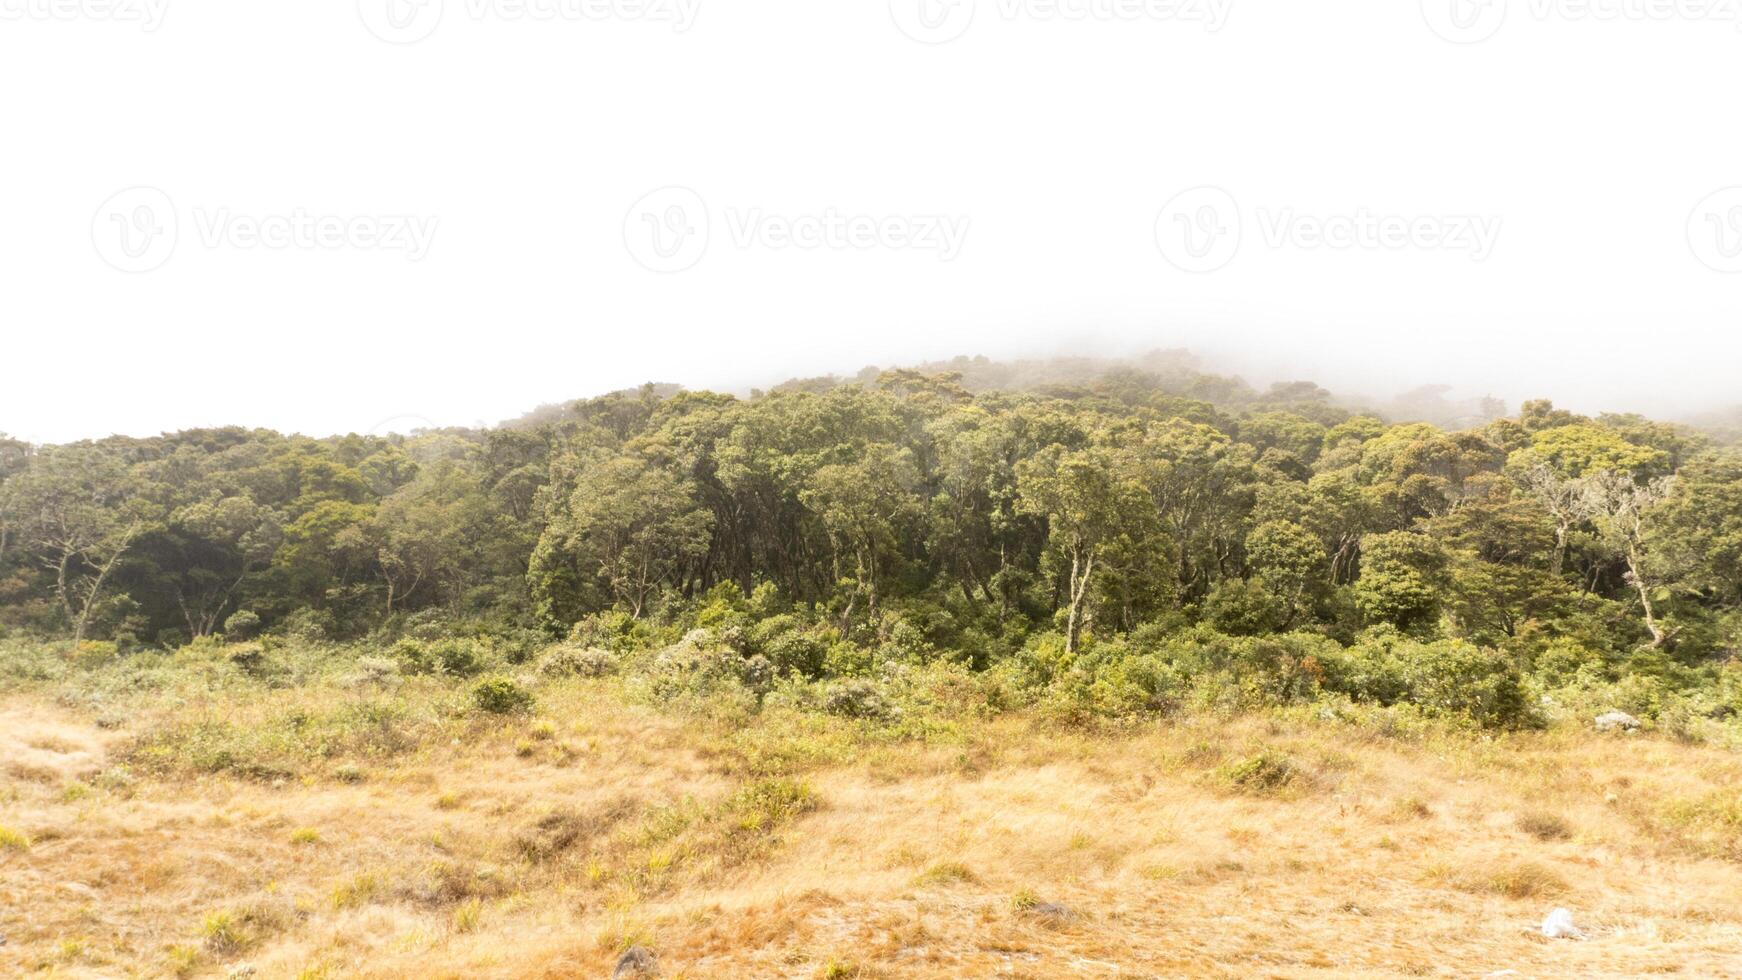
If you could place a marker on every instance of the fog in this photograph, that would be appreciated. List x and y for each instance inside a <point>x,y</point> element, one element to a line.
<point>297,217</point>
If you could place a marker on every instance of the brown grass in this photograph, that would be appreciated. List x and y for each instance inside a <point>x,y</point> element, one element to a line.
<point>1206,847</point>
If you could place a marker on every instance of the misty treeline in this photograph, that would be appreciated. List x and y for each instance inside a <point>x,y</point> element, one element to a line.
<point>1078,527</point>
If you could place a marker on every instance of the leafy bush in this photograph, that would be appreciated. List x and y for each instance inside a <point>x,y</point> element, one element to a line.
<point>454,656</point>
<point>857,698</point>
<point>792,647</point>
<point>242,625</point>
<point>1447,677</point>
<point>569,660</point>
<point>501,696</point>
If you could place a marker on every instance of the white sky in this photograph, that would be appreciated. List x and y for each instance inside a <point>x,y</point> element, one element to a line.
<point>1592,139</point>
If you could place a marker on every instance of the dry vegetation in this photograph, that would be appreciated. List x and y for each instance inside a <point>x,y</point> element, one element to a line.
<point>360,830</point>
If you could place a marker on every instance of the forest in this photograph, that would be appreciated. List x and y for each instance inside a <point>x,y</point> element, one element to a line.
<point>1109,540</point>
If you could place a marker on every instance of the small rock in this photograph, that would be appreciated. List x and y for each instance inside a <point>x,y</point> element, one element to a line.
<point>241,971</point>
<point>1617,721</point>
<point>1053,911</point>
<point>1559,925</point>
<point>635,962</point>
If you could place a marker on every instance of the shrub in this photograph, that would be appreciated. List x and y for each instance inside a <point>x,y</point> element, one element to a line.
<point>569,660</point>
<point>790,648</point>
<point>1446,677</point>
<point>857,699</point>
<point>13,840</point>
<point>243,624</point>
<point>454,656</point>
<point>1544,826</point>
<point>375,671</point>
<point>308,625</point>
<point>1265,773</point>
<point>501,696</point>
<point>1244,608</point>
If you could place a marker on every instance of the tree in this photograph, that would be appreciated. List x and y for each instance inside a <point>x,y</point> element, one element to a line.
<point>427,531</point>
<point>80,515</point>
<point>865,506</point>
<point>636,525</point>
<point>222,541</point>
<point>1402,580</point>
<point>14,456</point>
<point>1623,507</point>
<point>1088,498</point>
<point>1288,561</point>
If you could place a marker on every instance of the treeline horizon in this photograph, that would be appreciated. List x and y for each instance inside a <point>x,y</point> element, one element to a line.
<point>971,510</point>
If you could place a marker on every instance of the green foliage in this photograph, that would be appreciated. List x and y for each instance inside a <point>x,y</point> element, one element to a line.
<point>501,696</point>
<point>1107,548</point>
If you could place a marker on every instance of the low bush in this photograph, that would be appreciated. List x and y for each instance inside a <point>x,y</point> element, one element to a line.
<point>501,696</point>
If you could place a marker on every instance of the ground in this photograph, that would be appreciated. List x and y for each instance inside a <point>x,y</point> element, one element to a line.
<point>544,844</point>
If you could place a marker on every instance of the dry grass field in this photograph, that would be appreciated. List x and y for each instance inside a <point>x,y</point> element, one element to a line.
<point>325,830</point>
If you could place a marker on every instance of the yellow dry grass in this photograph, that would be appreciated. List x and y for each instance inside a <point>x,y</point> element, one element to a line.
<point>479,857</point>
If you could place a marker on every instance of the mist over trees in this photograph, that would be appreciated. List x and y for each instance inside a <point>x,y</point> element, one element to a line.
<point>969,510</point>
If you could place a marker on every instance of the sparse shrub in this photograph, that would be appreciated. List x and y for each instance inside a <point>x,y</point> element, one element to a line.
<point>223,932</point>
<point>467,915</point>
<point>857,698</point>
<point>1264,773</point>
<point>305,835</point>
<point>453,656</point>
<point>348,772</point>
<point>569,660</point>
<point>183,959</point>
<point>1522,880</point>
<point>359,889</point>
<point>375,672</point>
<point>607,631</point>
<point>13,840</point>
<point>501,696</point>
<point>946,873</point>
<point>1544,826</point>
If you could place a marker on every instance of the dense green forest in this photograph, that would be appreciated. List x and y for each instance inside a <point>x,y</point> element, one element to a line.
<point>1105,535</point>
